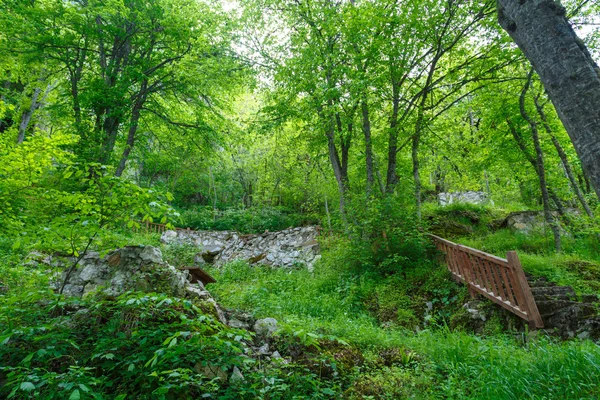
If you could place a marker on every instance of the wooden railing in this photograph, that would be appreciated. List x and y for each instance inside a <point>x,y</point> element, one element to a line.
<point>500,280</point>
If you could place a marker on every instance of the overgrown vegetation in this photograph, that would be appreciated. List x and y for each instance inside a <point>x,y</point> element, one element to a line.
<point>261,115</point>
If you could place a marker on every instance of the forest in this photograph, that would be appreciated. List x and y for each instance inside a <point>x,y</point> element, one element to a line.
<point>131,131</point>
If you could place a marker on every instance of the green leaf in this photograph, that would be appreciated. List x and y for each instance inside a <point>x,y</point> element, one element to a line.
<point>27,386</point>
<point>76,395</point>
<point>84,388</point>
<point>4,339</point>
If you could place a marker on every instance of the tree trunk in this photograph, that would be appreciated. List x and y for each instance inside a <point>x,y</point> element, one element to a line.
<point>135,119</point>
<point>335,161</point>
<point>28,114</point>
<point>565,67</point>
<point>539,161</point>
<point>392,176</point>
<point>564,160</point>
<point>366,126</point>
<point>416,173</point>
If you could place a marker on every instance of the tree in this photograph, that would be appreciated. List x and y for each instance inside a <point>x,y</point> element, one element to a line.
<point>566,68</point>
<point>122,64</point>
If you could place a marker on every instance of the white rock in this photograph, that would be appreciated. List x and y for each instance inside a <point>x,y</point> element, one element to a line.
<point>236,376</point>
<point>151,254</point>
<point>168,237</point>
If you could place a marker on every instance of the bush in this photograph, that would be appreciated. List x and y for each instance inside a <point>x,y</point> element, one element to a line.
<point>386,236</point>
<point>251,220</point>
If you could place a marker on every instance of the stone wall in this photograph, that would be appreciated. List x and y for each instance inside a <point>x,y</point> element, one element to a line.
<point>287,248</point>
<point>469,197</point>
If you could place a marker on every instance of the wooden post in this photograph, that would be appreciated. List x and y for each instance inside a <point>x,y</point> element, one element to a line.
<point>535,319</point>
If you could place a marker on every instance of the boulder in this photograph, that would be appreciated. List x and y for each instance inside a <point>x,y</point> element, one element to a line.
<point>266,327</point>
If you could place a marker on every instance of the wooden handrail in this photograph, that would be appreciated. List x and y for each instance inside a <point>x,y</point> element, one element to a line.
<point>500,280</point>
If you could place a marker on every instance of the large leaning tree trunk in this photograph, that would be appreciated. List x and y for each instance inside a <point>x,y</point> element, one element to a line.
<point>568,72</point>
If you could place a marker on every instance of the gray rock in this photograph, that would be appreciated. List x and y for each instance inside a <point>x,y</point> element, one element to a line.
<point>236,376</point>
<point>266,327</point>
<point>90,272</point>
<point>584,335</point>
<point>151,254</point>
<point>211,371</point>
<point>280,249</point>
<point>168,237</point>
<point>468,197</point>
<point>264,350</point>
<point>472,308</point>
<point>236,323</point>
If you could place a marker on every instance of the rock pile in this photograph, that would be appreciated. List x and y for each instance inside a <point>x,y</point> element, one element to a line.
<point>142,268</point>
<point>287,248</point>
<point>528,221</point>
<point>564,314</point>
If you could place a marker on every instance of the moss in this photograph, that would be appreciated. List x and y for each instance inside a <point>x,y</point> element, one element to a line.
<point>587,270</point>
<point>392,383</point>
<point>406,318</point>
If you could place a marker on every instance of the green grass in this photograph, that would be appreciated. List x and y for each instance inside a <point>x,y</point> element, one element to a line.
<point>452,364</point>
<point>370,313</point>
<point>578,265</point>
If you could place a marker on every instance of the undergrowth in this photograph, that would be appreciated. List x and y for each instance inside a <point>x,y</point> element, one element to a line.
<point>449,364</point>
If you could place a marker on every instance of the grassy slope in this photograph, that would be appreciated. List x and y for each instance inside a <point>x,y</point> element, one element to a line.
<point>452,364</point>
<point>437,362</point>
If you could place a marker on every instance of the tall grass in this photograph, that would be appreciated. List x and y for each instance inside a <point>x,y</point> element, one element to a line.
<point>458,365</point>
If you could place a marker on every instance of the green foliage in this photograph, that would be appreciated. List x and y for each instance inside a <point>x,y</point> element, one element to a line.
<point>385,236</point>
<point>440,363</point>
<point>251,220</point>
<point>144,345</point>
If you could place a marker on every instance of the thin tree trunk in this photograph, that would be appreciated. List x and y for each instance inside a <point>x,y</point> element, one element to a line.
<point>563,159</point>
<point>28,114</point>
<point>335,161</point>
<point>392,176</point>
<point>540,166</point>
<point>568,72</point>
<point>416,173</point>
<point>134,122</point>
<point>366,126</point>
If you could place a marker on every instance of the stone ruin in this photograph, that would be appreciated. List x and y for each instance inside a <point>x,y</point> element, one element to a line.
<point>287,248</point>
<point>468,197</point>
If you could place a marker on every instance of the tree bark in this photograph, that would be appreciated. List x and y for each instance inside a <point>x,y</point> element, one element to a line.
<point>392,176</point>
<point>134,122</point>
<point>569,74</point>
